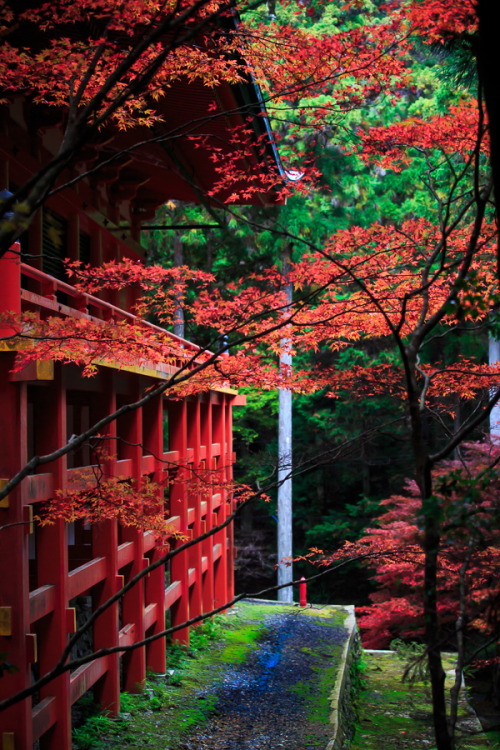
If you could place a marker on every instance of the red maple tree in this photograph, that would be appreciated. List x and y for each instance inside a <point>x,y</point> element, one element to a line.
<point>468,559</point>
<point>109,64</point>
<point>403,285</point>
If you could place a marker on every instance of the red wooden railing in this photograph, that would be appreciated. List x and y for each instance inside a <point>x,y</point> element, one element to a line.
<point>81,305</point>
<point>36,619</point>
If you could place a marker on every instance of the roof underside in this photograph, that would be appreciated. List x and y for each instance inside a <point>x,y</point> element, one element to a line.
<point>177,167</point>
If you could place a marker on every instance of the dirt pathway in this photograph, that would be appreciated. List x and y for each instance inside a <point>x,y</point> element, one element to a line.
<point>279,696</point>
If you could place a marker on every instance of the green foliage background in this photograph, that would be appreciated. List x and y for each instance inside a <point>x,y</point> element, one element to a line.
<point>340,497</point>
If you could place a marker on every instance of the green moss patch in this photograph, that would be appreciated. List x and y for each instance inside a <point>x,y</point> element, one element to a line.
<point>175,703</point>
<point>394,714</point>
<point>316,693</point>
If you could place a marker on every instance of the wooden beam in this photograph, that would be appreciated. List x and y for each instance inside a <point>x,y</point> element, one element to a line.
<point>44,715</point>
<point>39,487</point>
<point>126,635</point>
<point>84,677</point>
<point>172,594</point>
<point>125,554</point>
<point>42,602</point>
<point>86,576</point>
<point>150,615</point>
<point>34,371</point>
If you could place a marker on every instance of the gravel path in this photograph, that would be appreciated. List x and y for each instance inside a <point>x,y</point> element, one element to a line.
<point>273,700</point>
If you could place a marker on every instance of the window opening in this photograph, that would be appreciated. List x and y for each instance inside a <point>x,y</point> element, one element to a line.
<point>84,248</point>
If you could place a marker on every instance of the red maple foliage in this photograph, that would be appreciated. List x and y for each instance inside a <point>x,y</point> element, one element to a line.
<point>398,285</point>
<point>94,496</point>
<point>466,499</point>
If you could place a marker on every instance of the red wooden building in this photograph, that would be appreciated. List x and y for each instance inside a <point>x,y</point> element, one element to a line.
<point>50,574</point>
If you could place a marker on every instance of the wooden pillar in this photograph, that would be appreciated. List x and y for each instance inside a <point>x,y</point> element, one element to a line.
<point>105,544</point>
<point>35,242</point>
<point>178,507</point>
<point>10,291</point>
<point>220,572</point>
<point>208,544</point>
<point>230,502</point>
<point>4,167</point>
<point>133,601</point>
<point>73,237</point>
<point>96,249</point>
<point>15,722</point>
<point>224,497</point>
<point>155,582</point>
<point>52,565</point>
<point>194,501</point>
<point>155,594</point>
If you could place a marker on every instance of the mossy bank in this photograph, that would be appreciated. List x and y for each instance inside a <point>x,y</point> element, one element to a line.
<point>393,714</point>
<point>196,690</point>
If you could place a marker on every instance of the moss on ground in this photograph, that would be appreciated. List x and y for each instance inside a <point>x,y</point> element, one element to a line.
<point>393,714</point>
<point>172,705</point>
<point>316,694</point>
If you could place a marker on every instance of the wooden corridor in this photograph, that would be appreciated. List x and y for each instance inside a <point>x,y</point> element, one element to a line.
<point>53,573</point>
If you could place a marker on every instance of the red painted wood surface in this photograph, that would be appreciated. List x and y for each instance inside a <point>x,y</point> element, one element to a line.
<point>55,570</point>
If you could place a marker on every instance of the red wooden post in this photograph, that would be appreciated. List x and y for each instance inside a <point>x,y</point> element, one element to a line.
<point>208,544</point>
<point>155,582</point>
<point>194,501</point>
<point>15,723</point>
<point>133,613</point>
<point>73,237</point>
<point>133,601</point>
<point>178,507</point>
<point>105,544</point>
<point>155,594</point>
<point>10,297</point>
<point>191,425</point>
<point>35,239</point>
<point>52,564</point>
<point>220,571</point>
<point>231,504</point>
<point>303,592</point>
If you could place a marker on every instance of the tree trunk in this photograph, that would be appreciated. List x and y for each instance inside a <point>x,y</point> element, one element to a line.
<point>431,542</point>
<point>460,629</point>
<point>432,639</point>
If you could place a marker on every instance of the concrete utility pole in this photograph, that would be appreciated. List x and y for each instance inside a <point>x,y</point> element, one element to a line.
<point>494,357</point>
<point>285,545</point>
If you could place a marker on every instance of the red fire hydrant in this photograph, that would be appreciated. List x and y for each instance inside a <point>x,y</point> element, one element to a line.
<point>303,592</point>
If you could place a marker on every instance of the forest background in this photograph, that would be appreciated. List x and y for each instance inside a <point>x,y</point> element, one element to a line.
<point>390,160</point>
<point>358,464</point>
<point>395,300</point>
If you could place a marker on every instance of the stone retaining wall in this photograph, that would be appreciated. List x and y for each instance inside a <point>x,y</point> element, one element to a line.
<point>341,698</point>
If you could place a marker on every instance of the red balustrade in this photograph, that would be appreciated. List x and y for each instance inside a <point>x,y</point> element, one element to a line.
<point>53,573</point>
